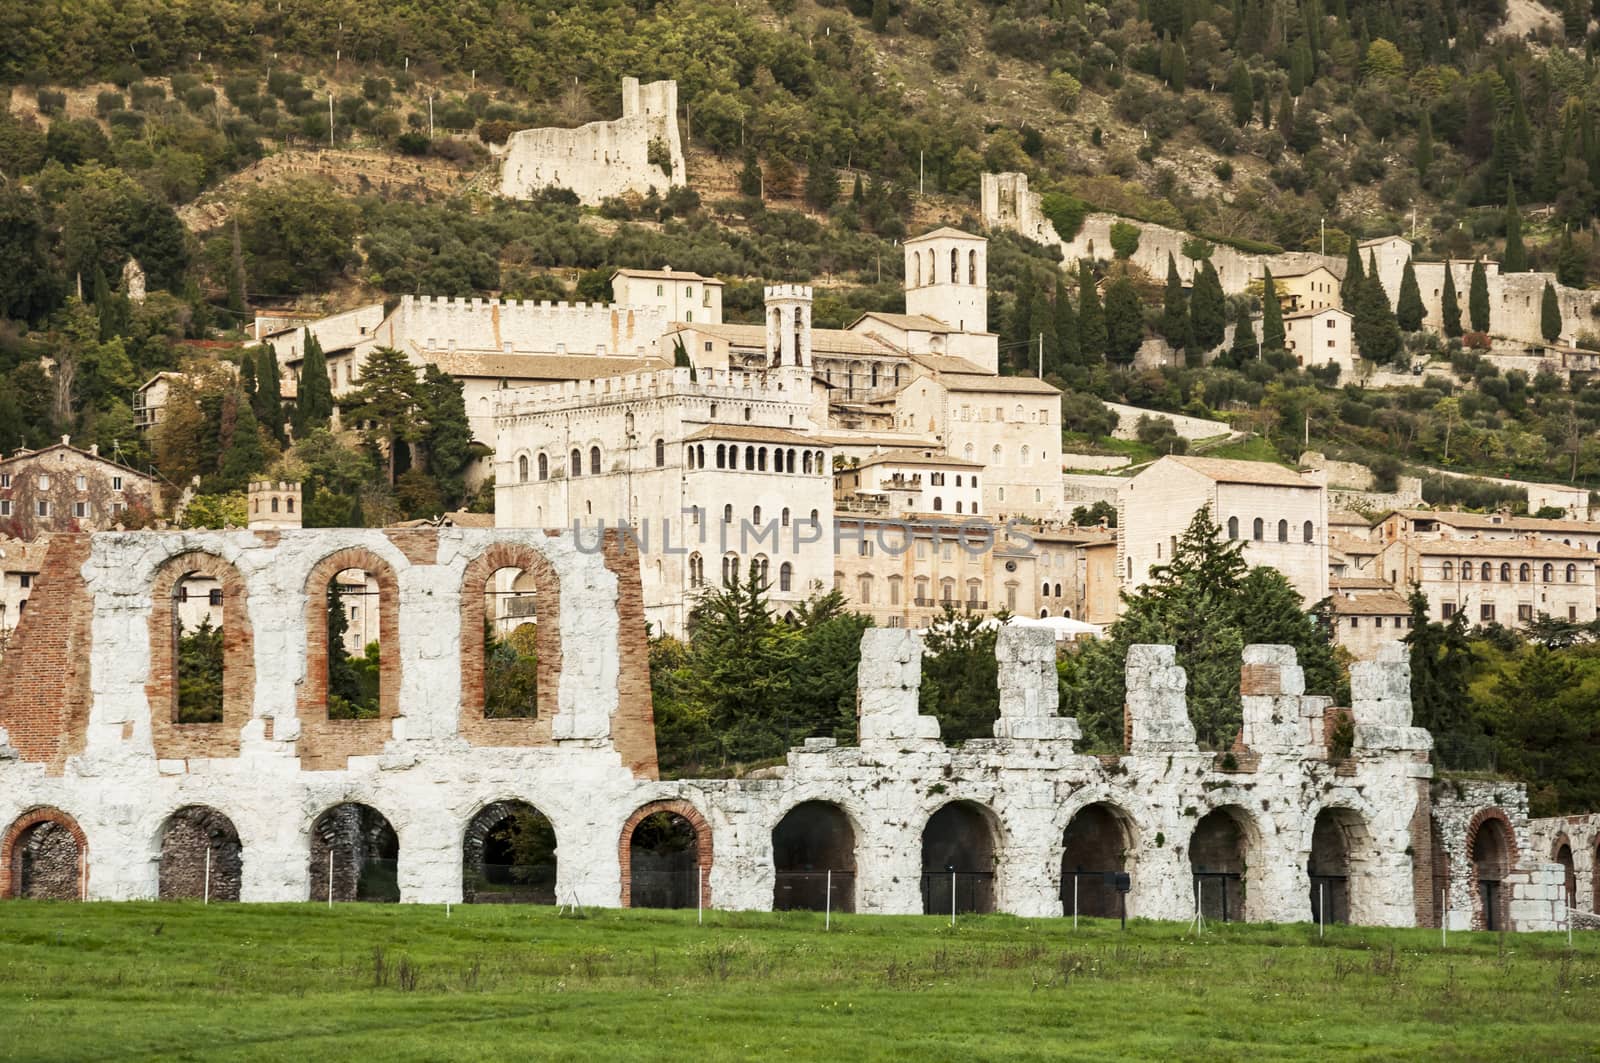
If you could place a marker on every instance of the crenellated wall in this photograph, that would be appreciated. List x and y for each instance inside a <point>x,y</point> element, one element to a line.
<point>602,159</point>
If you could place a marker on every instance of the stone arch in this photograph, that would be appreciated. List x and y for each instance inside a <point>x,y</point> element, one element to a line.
<point>493,870</point>
<point>960,849</point>
<point>516,731</point>
<point>178,741</point>
<point>1338,860</point>
<point>1561,853</point>
<point>813,853</point>
<point>1491,848</point>
<point>355,850</point>
<point>648,877</point>
<point>328,745</point>
<point>44,855</point>
<point>186,837</point>
<point>1096,843</point>
<point>1224,861</point>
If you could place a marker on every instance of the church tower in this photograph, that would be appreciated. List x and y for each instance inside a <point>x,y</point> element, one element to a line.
<point>788,324</point>
<point>947,278</point>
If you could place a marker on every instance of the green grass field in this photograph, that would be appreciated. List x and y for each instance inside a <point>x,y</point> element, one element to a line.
<point>291,982</point>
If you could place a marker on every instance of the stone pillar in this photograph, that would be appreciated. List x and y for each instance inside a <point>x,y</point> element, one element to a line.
<point>1029,691</point>
<point>1158,711</point>
<point>1271,683</point>
<point>1380,701</point>
<point>888,682</point>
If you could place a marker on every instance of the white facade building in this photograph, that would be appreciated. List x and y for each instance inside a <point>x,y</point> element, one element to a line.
<point>1322,337</point>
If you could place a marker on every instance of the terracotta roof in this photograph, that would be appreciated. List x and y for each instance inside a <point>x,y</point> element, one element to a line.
<point>1491,522</point>
<point>947,363</point>
<point>1381,603</point>
<point>749,433</point>
<point>665,274</point>
<point>940,232</point>
<point>1507,548</point>
<point>909,322</point>
<point>915,459</point>
<point>1383,240</point>
<point>1298,314</point>
<point>1225,470</point>
<point>1019,385</point>
<point>894,442</point>
<point>1358,583</point>
<point>827,340</point>
<point>1302,272</point>
<point>1347,517</point>
<point>540,366</point>
<point>24,455</point>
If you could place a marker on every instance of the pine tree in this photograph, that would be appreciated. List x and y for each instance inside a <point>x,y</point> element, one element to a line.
<point>269,392</point>
<point>1286,116</point>
<point>1175,310</point>
<point>822,184</point>
<point>314,401</point>
<point>1244,335</point>
<point>1478,298</point>
<point>1272,334</point>
<point>1549,314</point>
<point>446,435</point>
<point>1516,256</point>
<point>880,16</point>
<point>386,402</point>
<point>1066,325</point>
<point>1354,277</point>
<point>1041,323</point>
<point>1208,309</point>
<point>1450,305</point>
<point>1124,320</point>
<point>1178,71</point>
<point>1408,310</point>
<point>1091,318</point>
<point>1242,93</point>
<point>245,456</point>
<point>1422,158</point>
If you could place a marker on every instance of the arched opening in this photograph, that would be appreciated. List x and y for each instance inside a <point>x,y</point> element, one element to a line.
<point>201,857</point>
<point>544,467</point>
<point>1339,844</point>
<point>1218,861</point>
<point>958,859</point>
<point>666,851</point>
<point>1569,874</point>
<point>522,468</point>
<point>197,624</point>
<point>202,658</point>
<point>813,853</point>
<point>1094,851</point>
<point>1491,855</point>
<point>355,855</point>
<point>44,857</point>
<point>508,856</point>
<point>355,648</point>
<point>510,645</point>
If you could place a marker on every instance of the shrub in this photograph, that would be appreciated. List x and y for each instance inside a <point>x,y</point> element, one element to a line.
<point>1065,212</point>
<point>1224,171</point>
<point>200,97</point>
<point>1064,90</point>
<point>411,143</point>
<point>143,95</point>
<point>106,102</point>
<point>1124,239</point>
<point>496,131</point>
<point>51,102</point>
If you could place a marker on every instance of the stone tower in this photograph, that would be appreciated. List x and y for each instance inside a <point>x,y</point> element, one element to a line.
<point>947,278</point>
<point>788,324</point>
<point>274,505</point>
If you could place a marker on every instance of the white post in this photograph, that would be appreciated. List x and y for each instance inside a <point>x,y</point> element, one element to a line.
<point>699,896</point>
<point>1322,908</point>
<point>1074,902</point>
<point>430,117</point>
<point>1444,918</point>
<point>83,876</point>
<point>206,890</point>
<point>447,909</point>
<point>827,904</point>
<point>919,173</point>
<point>330,878</point>
<point>952,898</point>
<point>1041,356</point>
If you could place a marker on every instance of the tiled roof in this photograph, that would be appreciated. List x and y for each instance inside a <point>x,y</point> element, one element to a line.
<point>1506,548</point>
<point>909,322</point>
<point>915,459</point>
<point>666,275</point>
<point>540,366</point>
<point>1381,603</point>
<point>750,433</point>
<point>947,363</point>
<point>1019,385</point>
<point>1226,470</point>
<point>823,340</point>
<point>1299,314</point>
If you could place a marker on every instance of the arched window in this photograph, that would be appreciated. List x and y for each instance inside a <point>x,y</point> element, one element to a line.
<point>916,263</point>
<point>594,461</point>
<point>1258,530</point>
<point>289,503</point>
<point>1486,572</point>
<point>814,521</point>
<point>275,497</point>
<point>1524,572</point>
<point>761,459</point>
<point>722,451</point>
<point>785,516</point>
<point>1449,571</point>
<point>1283,531</point>
<point>730,569</point>
<point>755,516</point>
<point>955,266</point>
<point>895,583</point>
<point>1308,532</point>
<point>575,464</point>
<point>958,506</point>
<point>749,459</point>
<point>805,462</point>
<point>697,570</point>
<point>1572,573</point>
<point>972,267</point>
<point>821,465</point>
<point>938,504</point>
<point>544,467</point>
<point>661,453</point>
<point>627,424</point>
<point>727,514</point>
<point>1027,455</point>
<point>1233,527</point>
<point>1058,590</point>
<point>997,455</point>
<point>1549,572</point>
<point>1505,572</point>
<point>789,465</point>
<point>1044,591</point>
<point>522,468</point>
<point>786,575</point>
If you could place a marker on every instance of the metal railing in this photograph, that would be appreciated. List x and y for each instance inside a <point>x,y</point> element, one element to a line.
<point>814,891</point>
<point>971,891</point>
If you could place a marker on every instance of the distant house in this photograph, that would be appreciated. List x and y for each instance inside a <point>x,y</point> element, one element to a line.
<point>63,488</point>
<point>1321,337</point>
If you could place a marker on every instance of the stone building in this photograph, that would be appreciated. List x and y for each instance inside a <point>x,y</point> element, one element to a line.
<point>1321,337</point>
<point>63,488</point>
<point>633,154</point>
<point>19,568</point>
<point>1281,516</point>
<point>1307,289</point>
<point>1364,622</point>
<point>1504,581</point>
<point>294,805</point>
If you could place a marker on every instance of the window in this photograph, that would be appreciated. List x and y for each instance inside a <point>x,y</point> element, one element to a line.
<point>1377,621</point>
<point>42,508</point>
<point>44,482</point>
<point>938,504</point>
<point>5,507</point>
<point>864,547</point>
<point>1486,572</point>
<point>1308,533</point>
<point>1524,613</point>
<point>5,479</point>
<point>1505,572</point>
<point>894,590</point>
<point>786,577</point>
<point>1449,570</point>
<point>26,578</point>
<point>522,468</point>
<point>697,570</point>
<point>721,455</point>
<point>1258,529</point>
<point>661,453</point>
<point>575,465</point>
<point>1283,531</point>
<point>1447,610</point>
<point>1548,573</point>
<point>82,483</point>
<point>727,514</point>
<point>1572,573</point>
<point>785,516</point>
<point>1233,527</point>
<point>544,467</point>
<point>1524,572</point>
<point>116,483</point>
<point>864,590</point>
<point>594,461</point>
<point>755,516</point>
<point>1355,622</point>
<point>1486,613</point>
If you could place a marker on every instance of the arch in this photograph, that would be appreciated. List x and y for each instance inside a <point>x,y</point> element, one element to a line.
<point>1572,573</point>
<point>474,722</point>
<point>958,854</point>
<point>328,744</point>
<point>1491,854</point>
<point>508,855</point>
<point>749,459</point>
<point>1524,572</point>
<point>661,865</point>
<point>1308,532</point>
<point>1505,572</point>
<point>813,850</point>
<point>972,267</point>
<point>1258,529</point>
<point>805,462</point>
<point>661,453</point>
<point>544,466</point>
<point>955,266</point>
<point>356,851</point>
<point>916,262</point>
<point>1449,570</point>
<point>786,577</point>
<point>1337,864</point>
<point>44,856</point>
<point>575,463</point>
<point>187,836</point>
<point>594,461</point>
<point>1283,531</point>
<point>1095,845</point>
<point>1562,855</point>
<point>722,455</point>
<point>172,738</point>
<point>522,468</point>
<point>1233,527</point>
<point>1486,572</point>
<point>1548,573</point>
<point>1220,851</point>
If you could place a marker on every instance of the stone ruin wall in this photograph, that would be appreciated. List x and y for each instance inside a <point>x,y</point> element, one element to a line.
<point>1514,299</point>
<point>1580,835</point>
<point>78,748</point>
<point>601,159</point>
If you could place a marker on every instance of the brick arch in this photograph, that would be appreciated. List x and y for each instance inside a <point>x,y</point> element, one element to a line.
<point>1476,824</point>
<point>185,838</point>
<point>179,741</point>
<point>702,838</point>
<point>476,834</point>
<point>11,859</point>
<point>328,745</point>
<point>473,726</point>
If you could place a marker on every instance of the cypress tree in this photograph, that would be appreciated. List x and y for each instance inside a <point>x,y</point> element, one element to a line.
<point>1376,332</point>
<point>1178,71</point>
<point>750,175</point>
<point>1175,309</point>
<point>269,392</point>
<point>1571,265</point>
<point>1208,309</point>
<point>1018,337</point>
<point>1478,298</point>
<point>1408,309</point>
<point>1516,256</point>
<point>1042,322</point>
<point>1354,277</point>
<point>1422,158</point>
<point>1450,306</point>
<point>1547,168</point>
<point>314,402</point>
<point>1124,320</point>
<point>1243,94</point>
<point>1066,325</point>
<point>247,381</point>
<point>1244,334</point>
<point>1091,319</point>
<point>1286,116</point>
<point>1272,335</point>
<point>245,456</point>
<point>1266,110</point>
<point>1549,314</point>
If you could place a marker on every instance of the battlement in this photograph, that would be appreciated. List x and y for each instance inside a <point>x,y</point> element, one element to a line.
<point>778,292</point>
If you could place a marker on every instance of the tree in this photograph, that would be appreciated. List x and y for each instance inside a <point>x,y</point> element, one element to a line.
<point>296,236</point>
<point>1208,309</point>
<point>314,402</point>
<point>1515,259</point>
<point>1572,265</point>
<point>880,16</point>
<point>446,437</point>
<point>245,456</point>
<point>1375,329</point>
<point>1422,156</point>
<point>200,674</point>
<point>1350,289</point>
<point>269,391</point>
<point>822,184</point>
<point>960,676</point>
<point>1448,410</point>
<point>1242,93</point>
<point>1450,305</point>
<point>742,668</point>
<point>1408,311</point>
<point>25,275</point>
<point>1478,298</point>
<point>1272,334</point>
<point>1440,663</point>
<point>750,181</point>
<point>386,402</point>
<point>1175,310</point>
<point>1066,324</point>
<point>1124,320</point>
<point>1549,314</point>
<point>1091,318</point>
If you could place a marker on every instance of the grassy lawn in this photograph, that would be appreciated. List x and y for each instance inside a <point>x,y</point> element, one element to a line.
<point>494,982</point>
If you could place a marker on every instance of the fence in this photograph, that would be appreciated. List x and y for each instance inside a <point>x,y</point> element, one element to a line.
<point>973,892</point>
<point>814,891</point>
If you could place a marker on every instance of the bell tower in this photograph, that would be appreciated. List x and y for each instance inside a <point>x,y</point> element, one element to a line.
<point>947,278</point>
<point>788,308</point>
